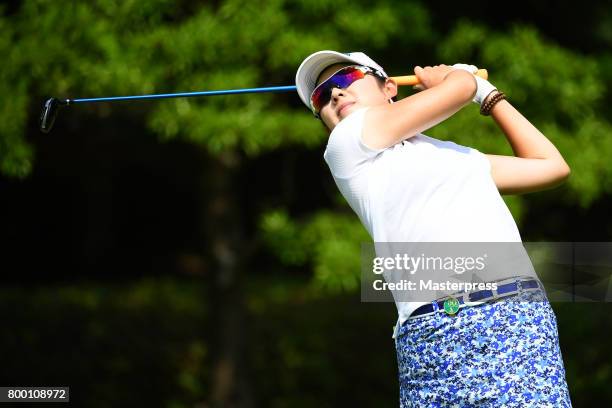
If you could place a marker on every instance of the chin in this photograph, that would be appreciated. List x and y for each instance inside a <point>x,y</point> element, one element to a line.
<point>347,111</point>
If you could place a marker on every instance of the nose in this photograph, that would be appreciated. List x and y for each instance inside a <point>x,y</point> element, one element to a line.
<point>336,92</point>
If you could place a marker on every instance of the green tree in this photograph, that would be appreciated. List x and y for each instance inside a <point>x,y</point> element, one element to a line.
<point>113,47</point>
<point>560,91</point>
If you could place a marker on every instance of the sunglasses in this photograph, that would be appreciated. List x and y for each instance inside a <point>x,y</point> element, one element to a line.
<point>342,79</point>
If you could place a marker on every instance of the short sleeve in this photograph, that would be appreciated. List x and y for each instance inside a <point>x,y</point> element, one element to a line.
<point>346,153</point>
<point>484,160</point>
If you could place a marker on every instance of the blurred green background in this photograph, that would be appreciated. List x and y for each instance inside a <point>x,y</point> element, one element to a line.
<point>195,251</point>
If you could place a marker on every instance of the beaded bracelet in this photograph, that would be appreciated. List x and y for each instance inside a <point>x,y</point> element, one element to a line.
<point>491,99</point>
<point>486,107</point>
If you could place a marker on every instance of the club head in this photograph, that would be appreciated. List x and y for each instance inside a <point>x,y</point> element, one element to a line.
<point>49,113</point>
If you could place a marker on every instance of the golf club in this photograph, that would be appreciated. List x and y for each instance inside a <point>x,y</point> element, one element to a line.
<point>53,105</point>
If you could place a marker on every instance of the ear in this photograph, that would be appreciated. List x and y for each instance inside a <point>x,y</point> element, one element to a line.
<point>390,88</point>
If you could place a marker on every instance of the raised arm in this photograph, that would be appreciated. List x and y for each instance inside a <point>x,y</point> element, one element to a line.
<point>446,91</point>
<point>538,165</point>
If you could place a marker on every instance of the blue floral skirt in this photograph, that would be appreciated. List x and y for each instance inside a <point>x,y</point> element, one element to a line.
<point>502,353</point>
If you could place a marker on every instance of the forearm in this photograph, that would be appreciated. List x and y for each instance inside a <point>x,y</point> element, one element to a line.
<point>526,140</point>
<point>386,125</point>
<point>426,109</point>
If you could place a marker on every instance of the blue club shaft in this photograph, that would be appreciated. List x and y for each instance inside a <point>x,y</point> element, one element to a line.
<point>186,94</point>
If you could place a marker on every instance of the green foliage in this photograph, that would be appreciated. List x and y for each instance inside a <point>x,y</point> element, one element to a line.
<point>283,237</point>
<point>542,79</point>
<point>124,47</point>
<point>108,47</point>
<point>111,47</point>
<point>559,91</point>
<point>15,153</point>
<point>331,241</point>
<point>140,343</point>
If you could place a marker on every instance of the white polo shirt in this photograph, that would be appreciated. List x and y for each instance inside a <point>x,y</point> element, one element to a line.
<point>419,190</point>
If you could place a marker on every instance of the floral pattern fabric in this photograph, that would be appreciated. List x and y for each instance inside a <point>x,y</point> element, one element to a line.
<point>502,353</point>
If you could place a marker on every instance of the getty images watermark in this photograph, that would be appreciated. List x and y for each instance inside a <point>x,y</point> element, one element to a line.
<point>411,265</point>
<point>423,271</point>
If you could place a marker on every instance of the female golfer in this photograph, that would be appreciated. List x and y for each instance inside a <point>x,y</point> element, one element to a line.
<point>478,348</point>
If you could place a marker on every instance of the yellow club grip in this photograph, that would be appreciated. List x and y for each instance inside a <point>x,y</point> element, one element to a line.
<point>413,79</point>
